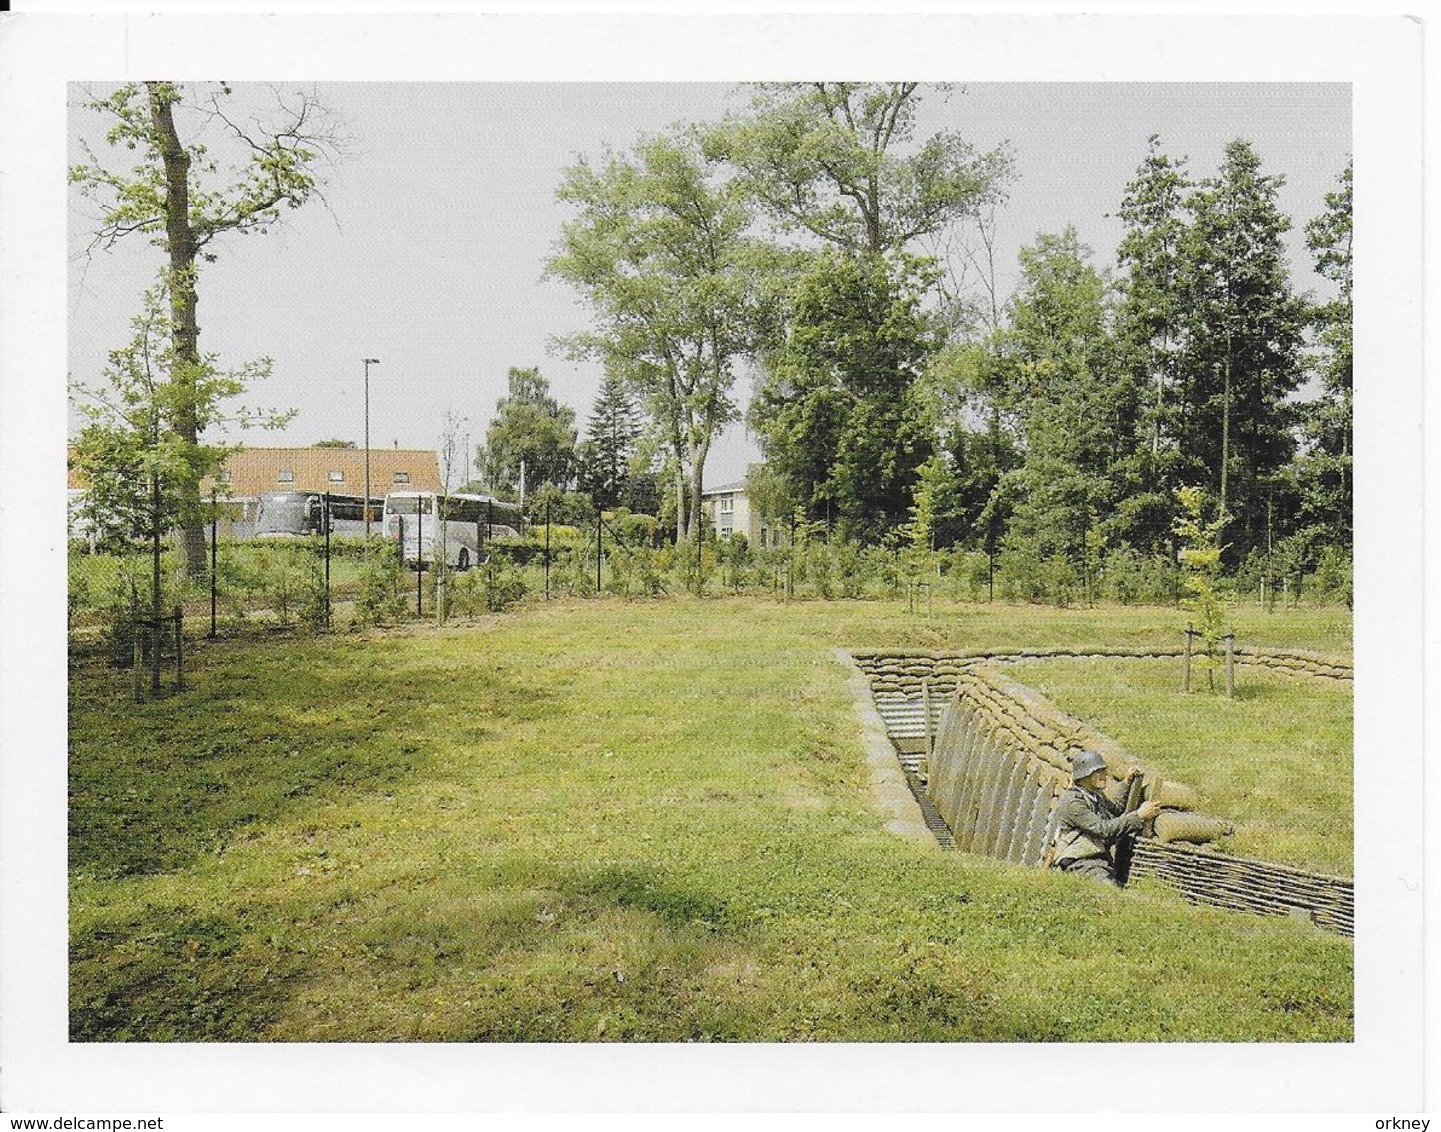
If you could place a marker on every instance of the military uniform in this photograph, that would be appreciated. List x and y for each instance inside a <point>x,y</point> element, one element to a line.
<point>1088,827</point>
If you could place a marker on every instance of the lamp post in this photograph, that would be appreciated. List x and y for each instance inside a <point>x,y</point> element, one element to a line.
<point>368,363</point>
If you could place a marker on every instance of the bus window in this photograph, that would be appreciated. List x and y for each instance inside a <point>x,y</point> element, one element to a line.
<point>408,504</point>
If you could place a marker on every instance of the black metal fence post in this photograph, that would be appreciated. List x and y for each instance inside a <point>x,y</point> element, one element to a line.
<point>325,519</point>
<point>214,528</point>
<point>547,550</point>
<point>1186,680</point>
<point>598,521</point>
<point>1230,666</point>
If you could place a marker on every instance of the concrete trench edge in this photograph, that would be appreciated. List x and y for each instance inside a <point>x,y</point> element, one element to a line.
<point>891,795</point>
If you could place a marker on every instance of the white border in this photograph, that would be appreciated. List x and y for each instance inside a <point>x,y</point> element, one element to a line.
<point>1381,1071</point>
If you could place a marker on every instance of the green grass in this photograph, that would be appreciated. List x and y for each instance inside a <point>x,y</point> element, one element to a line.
<point>1275,761</point>
<point>609,821</point>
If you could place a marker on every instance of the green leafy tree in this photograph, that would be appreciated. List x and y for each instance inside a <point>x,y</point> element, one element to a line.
<point>185,196</point>
<point>1150,332</point>
<point>1323,467</point>
<point>141,472</point>
<point>920,550</point>
<point>658,248</point>
<point>1200,557</point>
<point>1075,411</point>
<point>839,408</point>
<point>531,428</point>
<point>979,437</point>
<point>840,162</point>
<point>1242,358</point>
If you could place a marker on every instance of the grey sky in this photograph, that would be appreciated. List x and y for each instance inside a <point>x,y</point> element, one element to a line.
<point>441,219</point>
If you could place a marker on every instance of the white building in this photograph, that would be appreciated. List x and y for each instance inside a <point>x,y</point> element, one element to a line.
<point>729,510</point>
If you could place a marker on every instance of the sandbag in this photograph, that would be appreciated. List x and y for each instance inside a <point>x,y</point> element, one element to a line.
<point>1173,825</point>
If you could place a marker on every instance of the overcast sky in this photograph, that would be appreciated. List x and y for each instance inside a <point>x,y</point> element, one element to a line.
<point>431,253</point>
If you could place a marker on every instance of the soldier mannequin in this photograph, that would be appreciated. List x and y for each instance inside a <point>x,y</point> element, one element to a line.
<point>1090,824</point>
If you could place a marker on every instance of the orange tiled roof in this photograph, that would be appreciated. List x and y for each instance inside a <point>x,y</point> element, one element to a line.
<point>257,470</point>
<point>254,471</point>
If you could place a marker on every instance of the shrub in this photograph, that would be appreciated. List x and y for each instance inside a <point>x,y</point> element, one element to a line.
<point>1022,575</point>
<point>504,584</point>
<point>1332,579</point>
<point>310,599</point>
<point>121,607</point>
<point>1060,581</point>
<point>850,568</point>
<point>814,566</point>
<point>967,574</point>
<point>379,601</point>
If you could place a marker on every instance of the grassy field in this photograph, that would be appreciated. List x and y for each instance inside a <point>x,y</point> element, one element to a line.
<point>1275,761</point>
<point>611,821</point>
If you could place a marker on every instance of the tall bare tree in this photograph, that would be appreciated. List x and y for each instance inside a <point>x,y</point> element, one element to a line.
<point>185,195</point>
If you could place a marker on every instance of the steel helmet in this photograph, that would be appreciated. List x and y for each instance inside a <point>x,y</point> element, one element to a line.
<point>1086,763</point>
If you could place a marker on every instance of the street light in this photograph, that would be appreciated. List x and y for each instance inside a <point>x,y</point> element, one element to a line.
<point>368,363</point>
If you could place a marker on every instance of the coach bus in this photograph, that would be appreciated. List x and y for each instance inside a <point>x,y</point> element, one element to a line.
<point>286,514</point>
<point>421,521</point>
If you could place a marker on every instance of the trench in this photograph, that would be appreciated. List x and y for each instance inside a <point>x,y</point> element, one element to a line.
<point>986,758</point>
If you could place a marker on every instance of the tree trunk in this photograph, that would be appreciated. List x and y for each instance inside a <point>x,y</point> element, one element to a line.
<point>680,523</point>
<point>1226,422</point>
<point>185,330</point>
<point>697,489</point>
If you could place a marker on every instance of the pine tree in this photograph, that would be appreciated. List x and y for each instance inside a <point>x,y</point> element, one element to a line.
<point>609,445</point>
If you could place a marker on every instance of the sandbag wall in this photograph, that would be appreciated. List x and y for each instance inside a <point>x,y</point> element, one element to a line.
<point>987,778</point>
<point>900,673</point>
<point>1002,755</point>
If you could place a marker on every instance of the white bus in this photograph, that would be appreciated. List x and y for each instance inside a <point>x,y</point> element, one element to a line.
<point>414,520</point>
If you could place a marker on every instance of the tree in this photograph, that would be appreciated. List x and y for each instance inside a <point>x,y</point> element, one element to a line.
<point>141,471</point>
<point>1074,409</point>
<point>659,250</point>
<point>610,444</point>
<point>1150,316</point>
<point>334,443</point>
<point>532,428</point>
<point>1200,556</point>
<point>1242,355</point>
<point>841,164</point>
<point>839,161</point>
<point>838,409</point>
<point>185,198</point>
<point>1323,468</point>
